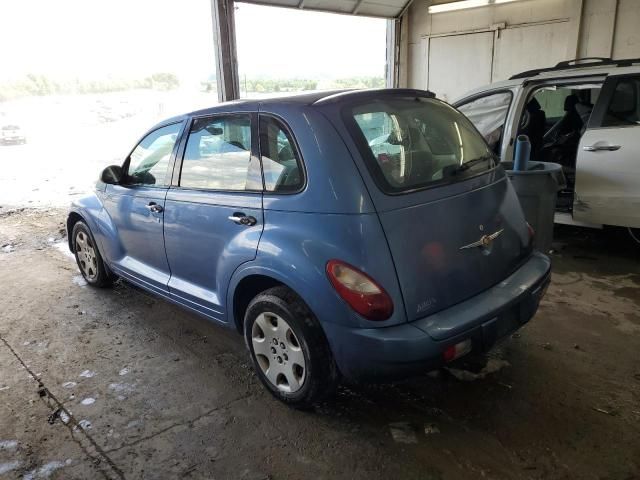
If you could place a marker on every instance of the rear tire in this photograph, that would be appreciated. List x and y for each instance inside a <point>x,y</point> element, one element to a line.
<point>289,350</point>
<point>88,257</point>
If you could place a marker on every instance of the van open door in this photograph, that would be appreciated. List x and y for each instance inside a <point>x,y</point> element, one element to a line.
<point>608,162</point>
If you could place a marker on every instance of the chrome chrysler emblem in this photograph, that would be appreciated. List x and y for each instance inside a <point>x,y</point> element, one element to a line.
<point>485,241</point>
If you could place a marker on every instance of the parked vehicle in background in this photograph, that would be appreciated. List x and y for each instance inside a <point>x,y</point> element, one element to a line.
<point>12,134</point>
<point>335,255</point>
<point>583,114</point>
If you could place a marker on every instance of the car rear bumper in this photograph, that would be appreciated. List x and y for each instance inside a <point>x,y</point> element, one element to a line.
<point>417,347</point>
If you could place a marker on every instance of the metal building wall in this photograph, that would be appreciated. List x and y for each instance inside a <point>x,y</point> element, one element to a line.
<point>459,50</point>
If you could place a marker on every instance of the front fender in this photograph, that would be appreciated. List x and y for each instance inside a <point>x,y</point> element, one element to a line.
<point>93,213</point>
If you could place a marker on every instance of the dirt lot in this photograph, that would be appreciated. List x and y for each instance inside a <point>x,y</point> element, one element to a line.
<point>118,384</point>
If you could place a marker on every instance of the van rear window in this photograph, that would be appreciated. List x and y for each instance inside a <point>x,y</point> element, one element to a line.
<point>410,143</point>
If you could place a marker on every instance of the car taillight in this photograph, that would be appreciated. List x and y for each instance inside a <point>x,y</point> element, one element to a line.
<point>359,290</point>
<point>532,232</point>
<point>453,352</point>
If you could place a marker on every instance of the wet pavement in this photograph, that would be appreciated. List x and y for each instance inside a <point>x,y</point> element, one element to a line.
<point>117,383</point>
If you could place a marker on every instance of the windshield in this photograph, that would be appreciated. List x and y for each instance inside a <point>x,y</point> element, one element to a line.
<point>412,143</point>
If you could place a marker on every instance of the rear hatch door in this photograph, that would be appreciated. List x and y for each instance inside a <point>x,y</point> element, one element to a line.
<point>452,248</point>
<point>453,223</point>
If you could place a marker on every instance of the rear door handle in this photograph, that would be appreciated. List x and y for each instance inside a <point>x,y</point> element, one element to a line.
<point>597,148</point>
<point>242,219</point>
<point>154,207</point>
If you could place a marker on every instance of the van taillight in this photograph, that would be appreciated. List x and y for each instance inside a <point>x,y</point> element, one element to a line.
<point>359,290</point>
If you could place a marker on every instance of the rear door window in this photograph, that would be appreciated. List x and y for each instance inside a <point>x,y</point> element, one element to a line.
<point>624,107</point>
<point>218,155</point>
<point>413,143</point>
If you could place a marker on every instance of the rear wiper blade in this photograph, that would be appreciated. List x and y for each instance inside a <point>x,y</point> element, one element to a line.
<point>467,165</point>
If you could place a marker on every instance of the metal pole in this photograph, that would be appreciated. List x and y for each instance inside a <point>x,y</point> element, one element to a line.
<point>393,50</point>
<point>224,35</point>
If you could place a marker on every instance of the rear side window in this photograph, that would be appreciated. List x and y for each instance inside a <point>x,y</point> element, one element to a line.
<point>280,159</point>
<point>624,107</point>
<point>218,155</point>
<point>413,143</point>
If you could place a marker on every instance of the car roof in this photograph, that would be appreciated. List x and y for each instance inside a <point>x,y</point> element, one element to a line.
<point>582,66</point>
<point>298,99</point>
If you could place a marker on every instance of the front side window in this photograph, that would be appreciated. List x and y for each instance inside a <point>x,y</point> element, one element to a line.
<point>149,162</point>
<point>624,107</point>
<point>280,161</point>
<point>411,143</point>
<point>489,114</point>
<point>218,155</point>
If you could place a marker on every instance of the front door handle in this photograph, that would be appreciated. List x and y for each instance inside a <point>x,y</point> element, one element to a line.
<point>242,219</point>
<point>597,148</point>
<point>154,207</point>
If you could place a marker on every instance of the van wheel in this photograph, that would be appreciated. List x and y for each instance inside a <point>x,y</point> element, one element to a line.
<point>289,350</point>
<point>88,257</point>
<point>635,234</point>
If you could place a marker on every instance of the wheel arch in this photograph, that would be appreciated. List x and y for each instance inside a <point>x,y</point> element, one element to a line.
<point>245,286</point>
<point>73,218</point>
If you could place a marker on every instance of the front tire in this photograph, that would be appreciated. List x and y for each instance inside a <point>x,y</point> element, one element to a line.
<point>288,347</point>
<point>88,257</point>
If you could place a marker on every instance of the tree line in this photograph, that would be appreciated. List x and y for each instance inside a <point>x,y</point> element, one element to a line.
<point>268,85</point>
<point>39,85</point>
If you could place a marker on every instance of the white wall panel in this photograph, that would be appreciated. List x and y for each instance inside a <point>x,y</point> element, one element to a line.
<point>459,63</point>
<point>526,47</point>
<point>626,43</point>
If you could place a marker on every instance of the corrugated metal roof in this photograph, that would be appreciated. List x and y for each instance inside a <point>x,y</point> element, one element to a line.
<point>367,8</point>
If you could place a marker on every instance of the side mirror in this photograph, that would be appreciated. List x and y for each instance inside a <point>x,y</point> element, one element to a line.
<point>112,175</point>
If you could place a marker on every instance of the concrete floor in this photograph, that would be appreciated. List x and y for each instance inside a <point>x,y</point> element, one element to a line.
<point>118,384</point>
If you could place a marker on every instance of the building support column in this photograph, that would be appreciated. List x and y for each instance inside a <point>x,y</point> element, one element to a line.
<point>575,26</point>
<point>224,36</point>
<point>393,53</point>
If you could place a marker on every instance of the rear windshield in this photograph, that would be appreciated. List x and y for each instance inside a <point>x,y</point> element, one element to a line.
<point>411,143</point>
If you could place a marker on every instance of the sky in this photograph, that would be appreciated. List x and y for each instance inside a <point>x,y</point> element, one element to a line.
<point>90,39</point>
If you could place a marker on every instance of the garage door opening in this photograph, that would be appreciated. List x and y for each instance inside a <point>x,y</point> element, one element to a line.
<point>283,50</point>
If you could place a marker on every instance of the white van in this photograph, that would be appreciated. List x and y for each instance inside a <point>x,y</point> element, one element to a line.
<point>583,114</point>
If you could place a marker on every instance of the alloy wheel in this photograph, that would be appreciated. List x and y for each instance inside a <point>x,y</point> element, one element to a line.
<point>278,352</point>
<point>86,255</point>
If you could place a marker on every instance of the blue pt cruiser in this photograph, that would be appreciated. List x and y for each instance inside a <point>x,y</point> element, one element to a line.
<point>360,234</point>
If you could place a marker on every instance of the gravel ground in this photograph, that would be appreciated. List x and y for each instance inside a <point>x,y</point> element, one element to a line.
<point>119,384</point>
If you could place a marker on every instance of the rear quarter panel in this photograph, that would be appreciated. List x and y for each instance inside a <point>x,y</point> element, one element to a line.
<point>295,248</point>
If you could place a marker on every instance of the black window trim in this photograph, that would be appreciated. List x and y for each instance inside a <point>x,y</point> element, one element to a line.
<point>604,100</point>
<point>172,159</point>
<point>177,171</point>
<point>346,112</point>
<point>296,152</point>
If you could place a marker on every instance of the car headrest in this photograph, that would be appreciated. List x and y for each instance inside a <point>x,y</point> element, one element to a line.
<point>570,103</point>
<point>533,105</point>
